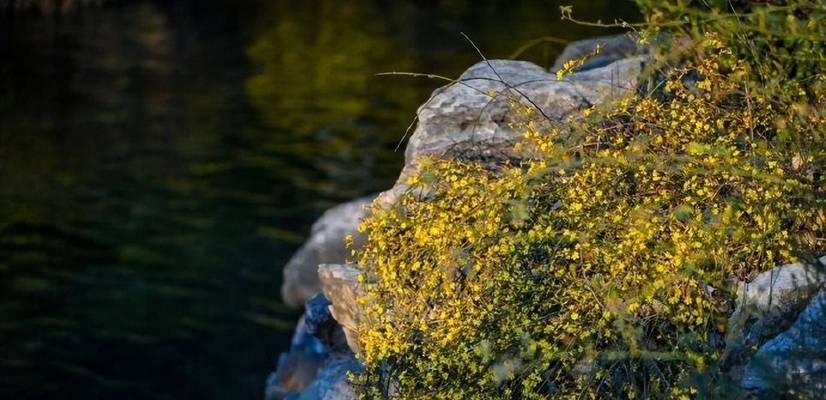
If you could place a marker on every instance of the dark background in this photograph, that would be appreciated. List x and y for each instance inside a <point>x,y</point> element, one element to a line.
<point>160,162</point>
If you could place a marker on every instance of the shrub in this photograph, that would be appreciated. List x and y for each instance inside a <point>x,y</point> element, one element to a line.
<point>603,266</point>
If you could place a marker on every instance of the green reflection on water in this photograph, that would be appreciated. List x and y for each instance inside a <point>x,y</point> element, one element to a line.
<point>159,163</point>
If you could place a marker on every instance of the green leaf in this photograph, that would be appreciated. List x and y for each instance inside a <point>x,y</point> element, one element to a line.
<point>684,212</point>
<point>696,149</point>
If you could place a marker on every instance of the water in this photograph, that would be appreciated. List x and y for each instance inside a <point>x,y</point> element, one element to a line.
<point>160,161</point>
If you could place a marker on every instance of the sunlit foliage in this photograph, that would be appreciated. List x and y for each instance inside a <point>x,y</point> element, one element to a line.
<point>603,267</point>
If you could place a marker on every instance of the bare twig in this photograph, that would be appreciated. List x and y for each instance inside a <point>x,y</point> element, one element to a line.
<point>508,85</point>
<point>545,39</point>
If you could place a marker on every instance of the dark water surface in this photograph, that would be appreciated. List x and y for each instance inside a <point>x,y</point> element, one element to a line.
<point>160,161</point>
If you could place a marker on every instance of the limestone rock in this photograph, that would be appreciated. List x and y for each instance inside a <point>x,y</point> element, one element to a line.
<point>472,118</point>
<point>297,368</point>
<point>326,245</point>
<point>614,48</point>
<point>340,285</point>
<point>767,306</point>
<point>318,362</point>
<point>781,288</point>
<point>331,382</point>
<point>794,362</point>
<point>321,324</point>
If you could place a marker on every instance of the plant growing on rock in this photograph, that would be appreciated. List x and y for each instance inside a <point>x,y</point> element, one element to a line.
<point>603,266</point>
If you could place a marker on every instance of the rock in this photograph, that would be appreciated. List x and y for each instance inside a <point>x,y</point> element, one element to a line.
<point>464,120</point>
<point>318,362</point>
<point>332,382</point>
<point>317,315</point>
<point>767,306</point>
<point>321,324</point>
<point>326,245</point>
<point>794,362</point>
<point>297,368</point>
<point>780,289</point>
<point>340,285</point>
<point>614,48</point>
<point>472,119</point>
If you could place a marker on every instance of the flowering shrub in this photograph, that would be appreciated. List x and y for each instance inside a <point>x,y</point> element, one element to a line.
<point>603,267</point>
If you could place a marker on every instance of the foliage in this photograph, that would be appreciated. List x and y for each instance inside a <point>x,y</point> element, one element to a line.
<point>603,266</point>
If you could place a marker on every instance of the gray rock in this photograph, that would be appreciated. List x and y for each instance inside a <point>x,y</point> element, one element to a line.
<point>321,324</point>
<point>317,315</point>
<point>767,306</point>
<point>318,362</point>
<point>472,118</point>
<point>297,368</point>
<point>332,382</point>
<point>613,48</point>
<point>340,285</point>
<point>326,245</point>
<point>794,362</point>
<point>780,289</point>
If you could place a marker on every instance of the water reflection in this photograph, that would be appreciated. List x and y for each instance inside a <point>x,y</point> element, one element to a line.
<point>159,161</point>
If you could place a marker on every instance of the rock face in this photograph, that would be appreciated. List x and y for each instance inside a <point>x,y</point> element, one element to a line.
<point>341,286</point>
<point>793,362</point>
<point>769,303</point>
<point>326,245</point>
<point>613,48</point>
<point>331,382</point>
<point>781,288</point>
<point>473,119</point>
<point>298,368</point>
<point>318,362</point>
<point>781,313</point>
<point>321,324</point>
